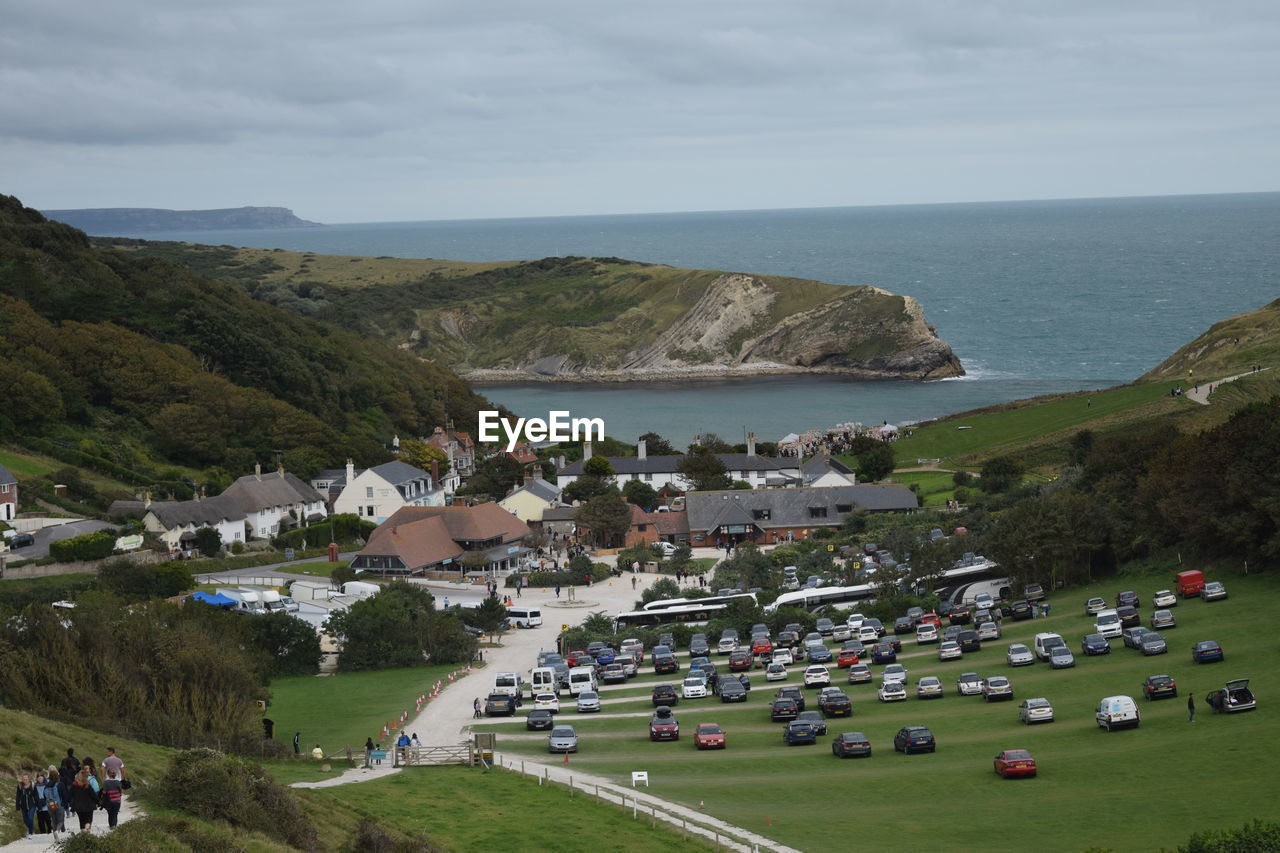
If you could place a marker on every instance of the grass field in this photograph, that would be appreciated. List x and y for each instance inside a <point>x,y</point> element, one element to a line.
<point>320,568</point>
<point>1132,790</point>
<point>338,711</point>
<point>936,487</point>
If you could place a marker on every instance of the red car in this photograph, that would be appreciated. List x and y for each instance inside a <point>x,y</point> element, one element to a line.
<point>578,658</point>
<point>761,646</point>
<point>1015,762</point>
<point>930,619</point>
<point>846,658</point>
<point>709,736</point>
<point>740,660</point>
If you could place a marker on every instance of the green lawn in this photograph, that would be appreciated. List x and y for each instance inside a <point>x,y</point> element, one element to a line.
<point>338,711</point>
<point>936,487</point>
<point>320,568</point>
<point>1118,780</point>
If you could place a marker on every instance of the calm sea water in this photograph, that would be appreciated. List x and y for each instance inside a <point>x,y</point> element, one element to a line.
<point>1035,297</point>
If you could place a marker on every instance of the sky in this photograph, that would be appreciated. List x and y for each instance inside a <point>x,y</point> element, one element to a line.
<point>394,110</point>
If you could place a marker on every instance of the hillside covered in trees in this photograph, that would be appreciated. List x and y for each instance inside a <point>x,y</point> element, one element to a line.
<point>138,360</point>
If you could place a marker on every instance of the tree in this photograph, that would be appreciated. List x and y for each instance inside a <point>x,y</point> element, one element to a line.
<point>711,443</point>
<point>131,580</point>
<point>999,474</point>
<point>608,517</point>
<point>209,541</point>
<point>342,574</point>
<point>875,463</point>
<point>398,627</point>
<point>597,466</point>
<point>291,646</point>
<point>494,476</point>
<point>661,589</point>
<point>641,494</point>
<point>490,616</point>
<point>703,470</point>
<point>420,455</point>
<point>656,445</point>
<point>587,487</point>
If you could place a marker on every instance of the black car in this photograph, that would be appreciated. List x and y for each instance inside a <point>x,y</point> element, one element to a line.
<point>851,745</point>
<point>952,632</point>
<point>539,720</point>
<point>1128,598</point>
<point>788,638</point>
<point>799,731</point>
<point>911,739</point>
<point>665,694</point>
<point>664,664</point>
<point>500,705</point>
<point>959,615</point>
<point>835,703</point>
<point>914,614</point>
<point>892,642</point>
<point>1020,610</point>
<point>969,641</point>
<point>663,725</point>
<point>825,627</point>
<point>783,709</point>
<point>667,639</point>
<point>1129,617</point>
<point>874,623</point>
<point>883,653</point>
<point>22,540</point>
<point>814,719</point>
<point>731,690</point>
<point>1159,687</point>
<point>791,692</point>
<point>699,648</point>
<point>1095,644</point>
<point>902,625</point>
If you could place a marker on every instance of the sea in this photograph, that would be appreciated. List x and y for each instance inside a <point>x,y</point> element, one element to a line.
<point>1035,297</point>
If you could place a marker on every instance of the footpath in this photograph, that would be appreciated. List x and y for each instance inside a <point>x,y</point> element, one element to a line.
<point>42,843</point>
<point>1200,393</point>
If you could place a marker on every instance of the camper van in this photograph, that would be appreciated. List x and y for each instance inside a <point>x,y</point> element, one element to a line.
<point>1107,623</point>
<point>524,617</point>
<point>360,589</point>
<point>543,680</point>
<point>508,682</point>
<point>581,678</point>
<point>246,600</point>
<point>1118,712</point>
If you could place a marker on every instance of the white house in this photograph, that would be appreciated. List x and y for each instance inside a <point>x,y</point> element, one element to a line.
<point>265,499</point>
<point>8,495</point>
<point>376,493</point>
<point>824,470</point>
<point>176,522</point>
<point>660,471</point>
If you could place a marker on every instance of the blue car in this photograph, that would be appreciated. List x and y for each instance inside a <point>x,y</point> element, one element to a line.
<point>799,731</point>
<point>819,654</point>
<point>1095,644</point>
<point>1207,651</point>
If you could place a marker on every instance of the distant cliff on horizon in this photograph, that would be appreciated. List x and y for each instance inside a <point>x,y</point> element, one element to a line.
<point>116,221</point>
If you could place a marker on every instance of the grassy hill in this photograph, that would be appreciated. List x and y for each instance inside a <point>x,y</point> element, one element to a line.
<point>587,314</point>
<point>1233,346</point>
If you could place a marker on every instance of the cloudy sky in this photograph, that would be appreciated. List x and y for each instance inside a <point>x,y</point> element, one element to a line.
<point>386,110</point>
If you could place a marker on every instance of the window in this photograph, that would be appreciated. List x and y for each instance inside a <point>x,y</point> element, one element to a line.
<point>642,527</point>
<point>369,511</point>
<point>368,491</point>
<point>237,535</point>
<point>761,514</point>
<point>843,508</point>
<point>647,477</point>
<point>4,489</point>
<point>817,512</point>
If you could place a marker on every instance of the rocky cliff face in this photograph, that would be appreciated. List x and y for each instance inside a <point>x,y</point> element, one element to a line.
<point>117,221</point>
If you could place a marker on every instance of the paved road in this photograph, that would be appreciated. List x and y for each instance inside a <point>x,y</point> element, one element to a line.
<point>45,535</point>
<point>1200,393</point>
<point>43,843</point>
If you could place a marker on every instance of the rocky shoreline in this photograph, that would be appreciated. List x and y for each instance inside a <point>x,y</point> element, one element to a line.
<point>691,373</point>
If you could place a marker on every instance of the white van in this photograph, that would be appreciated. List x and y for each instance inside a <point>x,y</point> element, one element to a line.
<point>543,680</point>
<point>508,682</point>
<point>1046,641</point>
<point>1107,623</point>
<point>1118,712</point>
<point>581,678</point>
<point>524,617</point>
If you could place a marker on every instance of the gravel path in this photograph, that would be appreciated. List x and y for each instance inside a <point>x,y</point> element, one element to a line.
<point>42,843</point>
<point>1200,393</point>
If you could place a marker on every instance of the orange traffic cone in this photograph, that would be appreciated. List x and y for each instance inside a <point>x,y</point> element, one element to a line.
<point>566,758</point>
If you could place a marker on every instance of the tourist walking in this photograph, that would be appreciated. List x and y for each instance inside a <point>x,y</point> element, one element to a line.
<point>91,768</point>
<point>112,795</point>
<point>475,708</point>
<point>70,766</point>
<point>368,752</point>
<point>557,590</point>
<point>83,800</point>
<point>113,762</point>
<point>55,803</point>
<point>42,811</point>
<point>1191,707</point>
<point>27,803</point>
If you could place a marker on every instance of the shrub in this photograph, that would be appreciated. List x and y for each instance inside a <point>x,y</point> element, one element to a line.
<point>89,546</point>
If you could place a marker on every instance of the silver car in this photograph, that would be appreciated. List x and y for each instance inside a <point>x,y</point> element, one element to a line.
<point>894,672</point>
<point>1060,657</point>
<point>997,688</point>
<point>588,701</point>
<point>1019,655</point>
<point>562,739</point>
<point>1152,643</point>
<point>989,631</point>
<point>1163,619</point>
<point>1213,591</point>
<point>929,687</point>
<point>1035,711</point>
<point>949,650</point>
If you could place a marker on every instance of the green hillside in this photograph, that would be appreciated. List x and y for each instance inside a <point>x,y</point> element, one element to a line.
<point>139,361</point>
<point>1235,345</point>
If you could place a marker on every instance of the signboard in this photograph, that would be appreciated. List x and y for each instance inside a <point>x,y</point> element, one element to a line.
<point>514,549</point>
<point>733,528</point>
<point>564,627</point>
<point>129,543</point>
<point>288,553</point>
<point>831,547</point>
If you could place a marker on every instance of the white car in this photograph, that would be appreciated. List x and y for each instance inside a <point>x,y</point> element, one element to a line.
<point>969,684</point>
<point>783,656</point>
<point>949,650</point>
<point>892,691</point>
<point>868,634</point>
<point>927,633</point>
<point>693,688</point>
<point>855,620</point>
<point>588,701</point>
<point>1019,655</point>
<point>726,645</point>
<point>894,672</point>
<point>775,672</point>
<point>817,676</point>
<point>1035,711</point>
<point>929,687</point>
<point>546,702</point>
<point>842,633</point>
<point>1094,606</point>
<point>1164,598</point>
<point>989,631</point>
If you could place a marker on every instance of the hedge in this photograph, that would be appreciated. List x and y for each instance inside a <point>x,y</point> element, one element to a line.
<point>89,546</point>
<point>346,528</point>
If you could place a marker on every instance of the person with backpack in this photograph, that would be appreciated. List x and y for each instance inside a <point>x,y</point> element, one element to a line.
<point>83,800</point>
<point>70,766</point>
<point>92,769</point>
<point>55,803</point>
<point>27,803</point>
<point>42,811</point>
<point>112,796</point>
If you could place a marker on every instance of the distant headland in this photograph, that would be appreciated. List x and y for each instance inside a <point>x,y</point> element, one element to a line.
<point>117,221</point>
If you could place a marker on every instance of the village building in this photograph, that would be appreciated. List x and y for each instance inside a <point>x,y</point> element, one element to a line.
<point>825,470</point>
<point>416,540</point>
<point>529,501</point>
<point>780,515</point>
<point>268,499</point>
<point>460,450</point>
<point>175,522</point>
<point>8,495</point>
<point>664,471</point>
<point>375,494</point>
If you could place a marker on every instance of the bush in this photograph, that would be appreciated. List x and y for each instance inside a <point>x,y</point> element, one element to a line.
<point>344,528</point>
<point>131,580</point>
<point>153,834</point>
<point>89,546</point>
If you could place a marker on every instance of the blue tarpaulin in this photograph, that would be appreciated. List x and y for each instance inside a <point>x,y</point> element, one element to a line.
<point>217,599</point>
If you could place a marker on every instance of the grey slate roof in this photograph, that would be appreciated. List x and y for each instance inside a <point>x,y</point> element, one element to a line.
<point>791,507</point>
<point>207,512</point>
<point>251,493</point>
<point>816,466</point>
<point>6,477</point>
<point>539,489</point>
<point>559,513</point>
<point>398,473</point>
<point>670,464</point>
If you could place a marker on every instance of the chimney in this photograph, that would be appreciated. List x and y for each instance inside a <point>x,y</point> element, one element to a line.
<point>395,442</point>
<point>435,473</point>
<point>642,451</point>
<point>586,451</point>
<point>537,472</point>
<point>202,493</point>
<point>280,470</point>
<point>351,472</point>
<point>146,502</point>
<point>751,444</point>
<point>560,463</point>
<point>257,470</point>
<point>528,478</point>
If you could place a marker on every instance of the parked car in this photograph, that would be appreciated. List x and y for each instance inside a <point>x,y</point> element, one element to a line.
<point>740,660</point>
<point>911,739</point>
<point>952,632</point>
<point>818,653</point>
<point>499,704</point>
<point>825,626</point>
<point>726,645</point>
<point>842,632</point>
<point>1207,651</point>
<point>883,653</point>
<point>1094,606</point>
<point>546,702</point>
<point>731,690</point>
<point>1213,591</point>
<point>892,642</point>
<point>814,719</point>
<point>1164,598</point>
<point>698,646</point>
<point>1128,598</point>
<point>783,709</point>
<point>1033,592</point>
<point>1015,763</point>
<point>892,691</point>
<point>665,663</point>
<point>709,736</point>
<point>1163,619</point>
<point>791,692</point>
<point>1129,616</point>
<point>902,625</point>
<point>989,631</point>
<point>1019,655</point>
<point>588,701</point>
<point>1035,711</point>
<point>1095,644</point>
<point>775,672</point>
<point>539,720</point>
<point>614,673</point>
<point>851,745</point>
<point>984,601</point>
<point>1235,696</point>
<point>866,634</point>
<point>1133,637</point>
<point>969,684</point>
<point>849,654</point>
<point>663,724</point>
<point>926,633</point>
<point>834,702</point>
<point>693,688</point>
<point>949,650</point>
<point>562,739</point>
<point>997,688</point>
<point>1159,687</point>
<point>817,676</point>
<point>860,673</point>
<point>798,732</point>
<point>1151,643</point>
<point>664,694</point>
<point>1117,712</point>
<point>929,687</point>
<point>1060,657</point>
<point>959,614</point>
<point>1020,610</point>
<point>783,656</point>
<point>969,641</point>
<point>1107,623</point>
<point>894,672</point>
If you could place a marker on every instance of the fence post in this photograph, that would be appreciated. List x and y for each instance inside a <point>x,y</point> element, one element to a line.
<point>653,818</point>
<point>571,787</point>
<point>634,808</point>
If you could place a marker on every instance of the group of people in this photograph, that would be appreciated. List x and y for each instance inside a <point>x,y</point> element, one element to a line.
<point>76,785</point>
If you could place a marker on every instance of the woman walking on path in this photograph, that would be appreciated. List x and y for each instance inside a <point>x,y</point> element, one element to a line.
<point>56,803</point>
<point>112,794</point>
<point>42,813</point>
<point>92,769</point>
<point>27,803</point>
<point>83,799</point>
